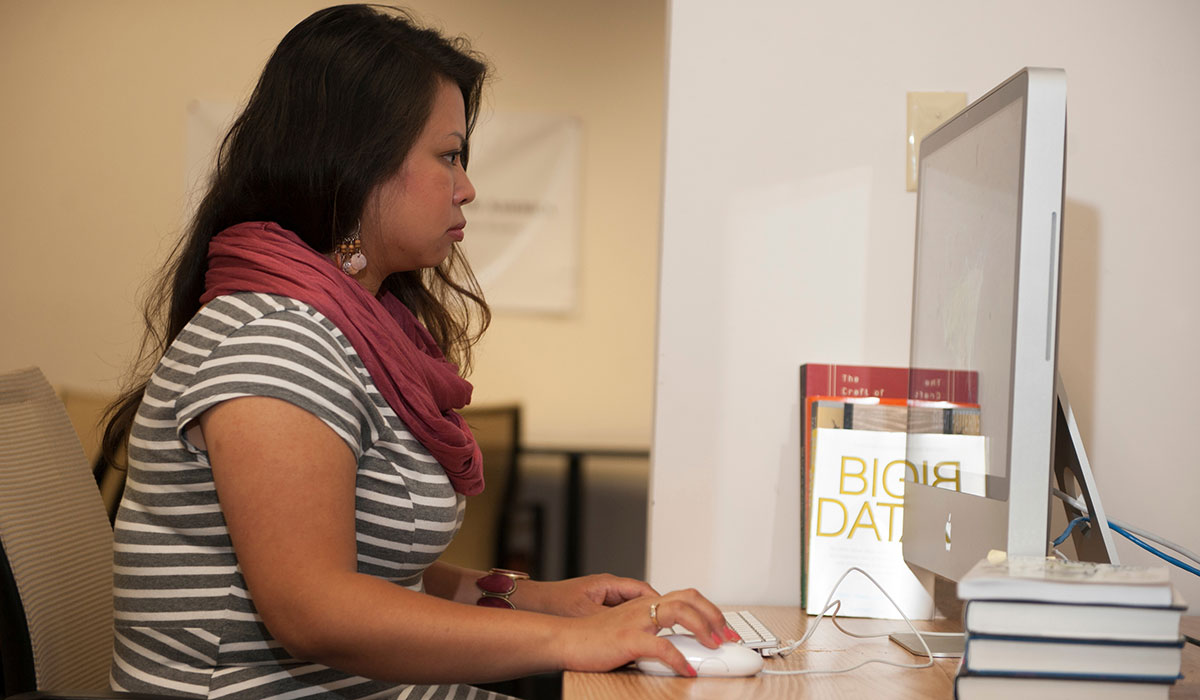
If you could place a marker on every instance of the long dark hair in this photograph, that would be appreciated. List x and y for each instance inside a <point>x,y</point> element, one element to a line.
<point>337,108</point>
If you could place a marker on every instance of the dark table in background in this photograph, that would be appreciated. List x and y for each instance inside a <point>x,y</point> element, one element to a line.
<point>573,493</point>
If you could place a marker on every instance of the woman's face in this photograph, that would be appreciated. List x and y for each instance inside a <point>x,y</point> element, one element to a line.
<point>413,218</point>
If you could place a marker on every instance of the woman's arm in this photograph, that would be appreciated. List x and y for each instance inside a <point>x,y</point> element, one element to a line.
<point>586,595</point>
<point>452,582</point>
<point>286,484</point>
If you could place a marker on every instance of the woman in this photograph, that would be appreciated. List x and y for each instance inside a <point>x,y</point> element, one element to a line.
<point>296,466</point>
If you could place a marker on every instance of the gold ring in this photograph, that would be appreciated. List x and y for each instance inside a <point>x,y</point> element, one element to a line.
<point>654,615</point>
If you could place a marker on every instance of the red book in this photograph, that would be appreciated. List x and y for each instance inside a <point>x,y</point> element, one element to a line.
<point>861,381</point>
<point>865,381</point>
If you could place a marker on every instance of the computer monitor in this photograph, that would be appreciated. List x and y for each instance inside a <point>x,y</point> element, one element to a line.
<point>985,301</point>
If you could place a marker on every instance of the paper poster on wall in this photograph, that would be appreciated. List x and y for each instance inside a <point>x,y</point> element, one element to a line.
<point>207,122</point>
<point>523,227</point>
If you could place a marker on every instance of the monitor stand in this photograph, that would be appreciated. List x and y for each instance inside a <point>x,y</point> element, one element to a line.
<point>1093,542</point>
<point>1073,476</point>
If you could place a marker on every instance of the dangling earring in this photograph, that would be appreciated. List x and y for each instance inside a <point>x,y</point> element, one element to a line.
<point>349,253</point>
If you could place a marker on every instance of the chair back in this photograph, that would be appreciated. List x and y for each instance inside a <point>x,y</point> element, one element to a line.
<point>482,542</point>
<point>56,565</point>
<point>88,413</point>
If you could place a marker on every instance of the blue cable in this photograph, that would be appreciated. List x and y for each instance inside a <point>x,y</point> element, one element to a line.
<point>1132,538</point>
<point>1070,527</point>
<point>1129,536</point>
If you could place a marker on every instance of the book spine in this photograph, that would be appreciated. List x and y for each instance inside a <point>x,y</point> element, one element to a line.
<point>964,675</point>
<point>805,481</point>
<point>1164,644</point>
<point>1113,677</point>
<point>1116,623</point>
<point>1051,644</point>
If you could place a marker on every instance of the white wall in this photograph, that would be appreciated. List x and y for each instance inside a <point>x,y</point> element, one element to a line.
<point>787,238</point>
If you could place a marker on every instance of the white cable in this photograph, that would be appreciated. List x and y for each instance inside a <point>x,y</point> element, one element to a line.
<point>835,605</point>
<point>1082,508</point>
<point>833,618</point>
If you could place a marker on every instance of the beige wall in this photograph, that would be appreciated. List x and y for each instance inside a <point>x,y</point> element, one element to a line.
<point>92,139</point>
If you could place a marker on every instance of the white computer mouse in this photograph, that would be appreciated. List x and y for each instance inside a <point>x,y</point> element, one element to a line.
<point>729,659</point>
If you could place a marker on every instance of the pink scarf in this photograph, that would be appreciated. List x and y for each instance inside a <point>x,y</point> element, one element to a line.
<point>408,368</point>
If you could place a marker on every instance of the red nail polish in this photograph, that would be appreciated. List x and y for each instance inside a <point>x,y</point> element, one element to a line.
<point>691,671</point>
<point>732,636</point>
<point>716,639</point>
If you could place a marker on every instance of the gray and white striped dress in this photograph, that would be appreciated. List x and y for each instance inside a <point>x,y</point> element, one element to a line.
<point>185,623</point>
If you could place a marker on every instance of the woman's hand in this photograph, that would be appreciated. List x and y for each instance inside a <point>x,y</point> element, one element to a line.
<point>577,597</point>
<point>629,631</point>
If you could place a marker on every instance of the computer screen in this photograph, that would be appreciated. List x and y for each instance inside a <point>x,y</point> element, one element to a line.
<point>985,301</point>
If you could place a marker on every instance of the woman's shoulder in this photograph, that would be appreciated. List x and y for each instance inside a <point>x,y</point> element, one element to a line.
<point>246,322</point>
<point>230,313</point>
<point>244,307</point>
<point>252,344</point>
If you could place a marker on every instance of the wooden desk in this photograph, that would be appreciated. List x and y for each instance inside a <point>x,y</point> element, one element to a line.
<point>828,648</point>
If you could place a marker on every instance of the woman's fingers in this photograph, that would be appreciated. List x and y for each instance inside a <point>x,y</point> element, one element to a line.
<point>696,614</point>
<point>624,589</point>
<point>666,652</point>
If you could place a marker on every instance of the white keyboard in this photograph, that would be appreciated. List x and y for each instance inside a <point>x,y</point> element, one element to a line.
<point>753,632</point>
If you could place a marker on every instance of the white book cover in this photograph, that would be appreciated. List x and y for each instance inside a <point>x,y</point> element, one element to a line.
<point>857,514</point>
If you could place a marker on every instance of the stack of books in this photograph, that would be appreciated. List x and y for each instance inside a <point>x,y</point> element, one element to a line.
<point>1055,629</point>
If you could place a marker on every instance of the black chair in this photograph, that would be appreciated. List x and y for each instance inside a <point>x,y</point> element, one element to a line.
<point>56,613</point>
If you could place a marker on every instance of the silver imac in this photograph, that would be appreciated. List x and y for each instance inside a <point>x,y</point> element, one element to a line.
<point>985,300</point>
